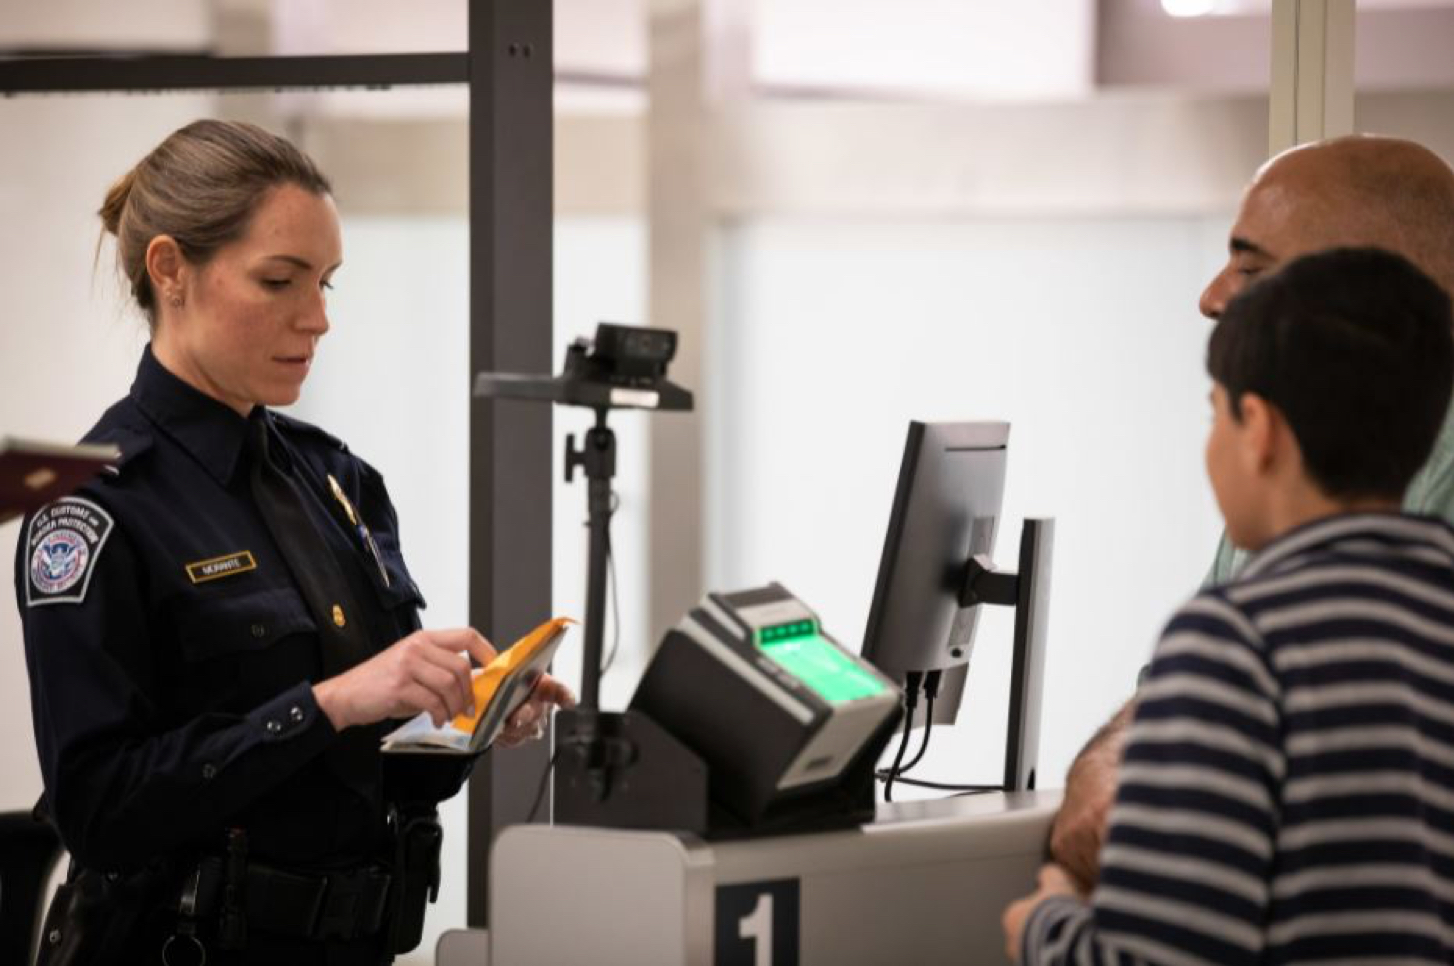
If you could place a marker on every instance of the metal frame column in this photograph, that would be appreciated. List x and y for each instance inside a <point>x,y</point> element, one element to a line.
<point>511,181</point>
<point>1312,72</point>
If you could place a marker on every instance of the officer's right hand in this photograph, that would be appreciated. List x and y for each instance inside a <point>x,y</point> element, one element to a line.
<point>425,671</point>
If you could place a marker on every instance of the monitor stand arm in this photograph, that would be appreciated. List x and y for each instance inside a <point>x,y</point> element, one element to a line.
<point>983,584</point>
<point>1028,591</point>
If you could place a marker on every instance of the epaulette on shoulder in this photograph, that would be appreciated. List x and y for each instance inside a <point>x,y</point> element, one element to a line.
<point>299,428</point>
<point>132,442</point>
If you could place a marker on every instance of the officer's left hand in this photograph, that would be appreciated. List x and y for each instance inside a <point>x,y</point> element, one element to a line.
<point>528,722</point>
<point>1053,882</point>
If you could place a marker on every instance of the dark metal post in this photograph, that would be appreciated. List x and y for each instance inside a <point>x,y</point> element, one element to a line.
<point>510,81</point>
<point>1027,669</point>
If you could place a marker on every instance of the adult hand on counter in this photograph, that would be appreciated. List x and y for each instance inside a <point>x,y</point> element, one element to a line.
<point>1053,881</point>
<point>426,671</point>
<point>528,721</point>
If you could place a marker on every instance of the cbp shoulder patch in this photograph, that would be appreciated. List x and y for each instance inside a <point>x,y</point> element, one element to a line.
<point>63,543</point>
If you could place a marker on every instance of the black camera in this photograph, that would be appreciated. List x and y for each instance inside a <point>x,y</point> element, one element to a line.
<point>623,367</point>
<point>632,350</point>
<point>622,355</point>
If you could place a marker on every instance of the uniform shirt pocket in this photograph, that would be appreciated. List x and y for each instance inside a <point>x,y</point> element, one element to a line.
<point>400,590</point>
<point>241,623</point>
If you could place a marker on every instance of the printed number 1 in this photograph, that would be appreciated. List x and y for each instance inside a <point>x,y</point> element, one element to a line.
<point>758,927</point>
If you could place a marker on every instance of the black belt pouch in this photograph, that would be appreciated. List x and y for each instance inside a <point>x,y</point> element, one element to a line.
<point>417,866</point>
<point>96,918</point>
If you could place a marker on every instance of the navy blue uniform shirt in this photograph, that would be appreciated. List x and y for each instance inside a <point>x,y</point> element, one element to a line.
<point>172,656</point>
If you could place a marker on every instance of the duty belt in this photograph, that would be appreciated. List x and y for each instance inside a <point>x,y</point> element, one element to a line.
<point>340,905</point>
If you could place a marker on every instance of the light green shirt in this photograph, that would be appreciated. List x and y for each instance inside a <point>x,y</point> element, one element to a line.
<point>1431,492</point>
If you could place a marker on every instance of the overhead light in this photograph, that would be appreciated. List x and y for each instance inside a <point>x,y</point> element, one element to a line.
<point>1188,8</point>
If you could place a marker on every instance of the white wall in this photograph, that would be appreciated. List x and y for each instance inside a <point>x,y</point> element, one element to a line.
<point>1082,333</point>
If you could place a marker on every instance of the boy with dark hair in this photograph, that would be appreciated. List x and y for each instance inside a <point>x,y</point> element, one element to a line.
<point>1287,791</point>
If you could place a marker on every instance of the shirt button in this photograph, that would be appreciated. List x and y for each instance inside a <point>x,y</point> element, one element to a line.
<point>273,727</point>
<point>258,630</point>
<point>295,714</point>
<point>209,771</point>
<point>338,619</point>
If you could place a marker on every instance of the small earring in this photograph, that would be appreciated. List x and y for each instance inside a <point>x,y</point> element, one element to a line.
<point>176,300</point>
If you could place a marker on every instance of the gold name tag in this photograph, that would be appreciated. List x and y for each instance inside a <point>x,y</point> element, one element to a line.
<point>225,566</point>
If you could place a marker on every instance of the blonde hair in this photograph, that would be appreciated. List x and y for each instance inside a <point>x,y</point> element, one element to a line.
<point>200,186</point>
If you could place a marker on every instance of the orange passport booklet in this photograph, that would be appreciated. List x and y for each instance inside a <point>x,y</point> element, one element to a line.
<point>500,688</point>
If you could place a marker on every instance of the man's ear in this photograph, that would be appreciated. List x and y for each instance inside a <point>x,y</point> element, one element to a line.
<point>167,270</point>
<point>1260,441</point>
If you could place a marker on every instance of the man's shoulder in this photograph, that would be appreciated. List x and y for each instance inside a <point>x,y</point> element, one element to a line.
<point>1226,563</point>
<point>1432,489</point>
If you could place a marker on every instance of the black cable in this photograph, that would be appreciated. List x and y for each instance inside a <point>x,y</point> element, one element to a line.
<point>931,691</point>
<point>923,745</point>
<point>911,701</point>
<point>540,790</point>
<point>894,769</point>
<point>611,582</point>
<point>944,787</point>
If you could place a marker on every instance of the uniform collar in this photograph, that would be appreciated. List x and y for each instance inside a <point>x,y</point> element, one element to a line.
<point>210,430</point>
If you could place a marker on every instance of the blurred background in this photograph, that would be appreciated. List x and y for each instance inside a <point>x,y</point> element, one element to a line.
<point>859,212</point>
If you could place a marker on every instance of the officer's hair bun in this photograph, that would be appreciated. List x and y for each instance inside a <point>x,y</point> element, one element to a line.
<point>115,204</point>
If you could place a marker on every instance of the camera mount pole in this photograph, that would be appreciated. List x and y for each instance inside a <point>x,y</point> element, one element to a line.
<point>598,459</point>
<point>624,367</point>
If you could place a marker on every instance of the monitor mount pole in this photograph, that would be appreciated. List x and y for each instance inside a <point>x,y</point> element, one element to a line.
<point>1028,592</point>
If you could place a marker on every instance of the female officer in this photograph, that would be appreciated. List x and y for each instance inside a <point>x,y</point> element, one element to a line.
<point>219,629</point>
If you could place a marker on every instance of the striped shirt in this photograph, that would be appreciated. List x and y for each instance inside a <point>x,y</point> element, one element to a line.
<point>1287,791</point>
